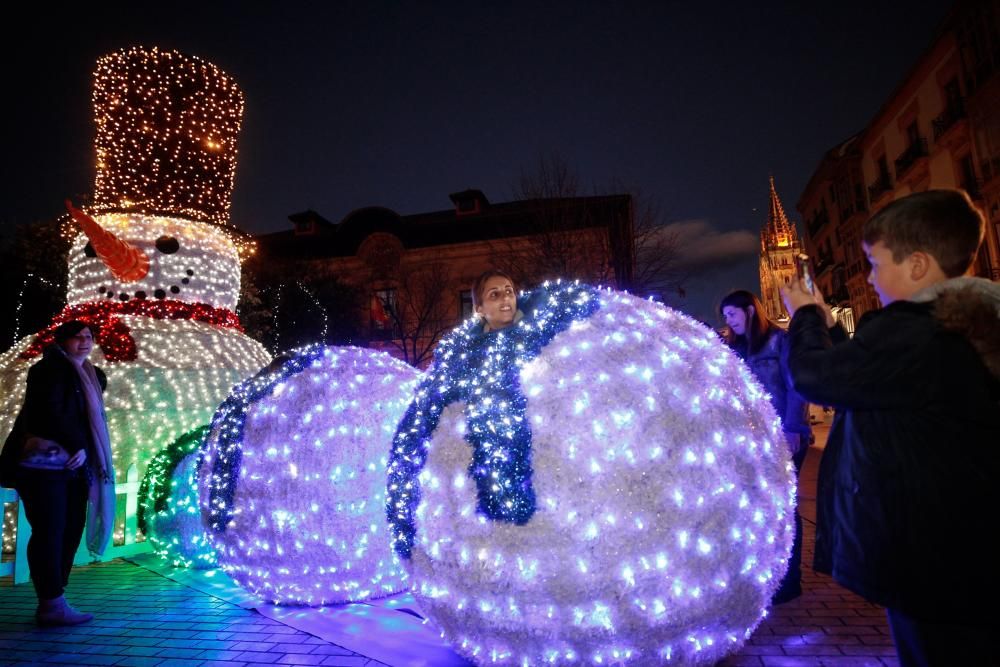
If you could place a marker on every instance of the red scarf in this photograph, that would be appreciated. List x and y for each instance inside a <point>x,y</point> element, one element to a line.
<point>111,333</point>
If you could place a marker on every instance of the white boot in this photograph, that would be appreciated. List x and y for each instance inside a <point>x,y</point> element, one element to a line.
<point>59,612</point>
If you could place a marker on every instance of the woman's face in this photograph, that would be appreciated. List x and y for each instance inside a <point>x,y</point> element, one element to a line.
<point>78,347</point>
<point>736,319</point>
<point>499,303</point>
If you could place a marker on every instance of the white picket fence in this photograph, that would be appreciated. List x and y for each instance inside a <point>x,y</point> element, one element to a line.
<point>129,488</point>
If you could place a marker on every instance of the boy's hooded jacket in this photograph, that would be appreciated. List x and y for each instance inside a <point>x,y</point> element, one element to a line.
<point>908,486</point>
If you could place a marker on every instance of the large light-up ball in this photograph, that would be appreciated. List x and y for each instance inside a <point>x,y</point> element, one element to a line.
<point>601,483</point>
<point>168,504</point>
<point>293,484</point>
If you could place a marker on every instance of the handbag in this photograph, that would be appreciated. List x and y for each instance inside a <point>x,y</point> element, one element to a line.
<point>43,454</point>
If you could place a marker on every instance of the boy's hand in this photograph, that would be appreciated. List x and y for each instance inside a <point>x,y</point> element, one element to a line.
<point>795,295</point>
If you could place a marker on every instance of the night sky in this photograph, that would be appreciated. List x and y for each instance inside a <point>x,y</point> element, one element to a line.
<point>398,104</point>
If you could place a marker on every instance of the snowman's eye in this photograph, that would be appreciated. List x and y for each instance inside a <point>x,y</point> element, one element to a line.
<point>168,245</point>
<point>89,251</point>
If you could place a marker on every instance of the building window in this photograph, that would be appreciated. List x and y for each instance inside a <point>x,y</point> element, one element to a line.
<point>465,307</point>
<point>383,318</point>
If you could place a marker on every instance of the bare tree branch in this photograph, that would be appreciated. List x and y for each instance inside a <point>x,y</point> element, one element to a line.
<point>570,236</point>
<point>658,246</point>
<point>421,314</point>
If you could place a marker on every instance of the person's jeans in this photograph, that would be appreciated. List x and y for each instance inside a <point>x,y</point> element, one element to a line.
<point>55,504</point>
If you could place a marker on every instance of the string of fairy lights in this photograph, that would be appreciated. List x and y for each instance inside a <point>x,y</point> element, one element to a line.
<point>20,301</point>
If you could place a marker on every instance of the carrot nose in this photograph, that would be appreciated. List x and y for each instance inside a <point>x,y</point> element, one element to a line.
<point>126,262</point>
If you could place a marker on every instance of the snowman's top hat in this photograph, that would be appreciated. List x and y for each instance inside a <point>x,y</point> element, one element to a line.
<point>167,127</point>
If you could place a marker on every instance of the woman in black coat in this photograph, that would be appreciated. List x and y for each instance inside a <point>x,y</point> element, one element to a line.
<point>58,458</point>
<point>763,346</point>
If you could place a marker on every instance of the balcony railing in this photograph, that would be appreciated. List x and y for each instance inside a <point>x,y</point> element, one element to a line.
<point>951,115</point>
<point>909,157</point>
<point>881,185</point>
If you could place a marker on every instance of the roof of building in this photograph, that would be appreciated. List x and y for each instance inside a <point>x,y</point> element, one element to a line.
<point>323,238</point>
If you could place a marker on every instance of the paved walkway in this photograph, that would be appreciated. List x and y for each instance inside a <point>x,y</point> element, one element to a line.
<point>142,618</point>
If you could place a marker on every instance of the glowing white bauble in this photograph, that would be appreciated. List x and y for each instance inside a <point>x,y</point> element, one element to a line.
<point>663,490</point>
<point>292,486</point>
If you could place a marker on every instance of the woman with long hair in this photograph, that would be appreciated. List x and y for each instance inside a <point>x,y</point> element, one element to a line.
<point>763,346</point>
<point>58,456</point>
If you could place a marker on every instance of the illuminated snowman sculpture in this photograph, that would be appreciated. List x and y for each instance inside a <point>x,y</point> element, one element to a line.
<point>155,271</point>
<point>601,483</point>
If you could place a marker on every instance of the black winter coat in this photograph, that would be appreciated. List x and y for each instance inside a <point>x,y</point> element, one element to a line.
<point>908,485</point>
<point>769,365</point>
<point>54,409</point>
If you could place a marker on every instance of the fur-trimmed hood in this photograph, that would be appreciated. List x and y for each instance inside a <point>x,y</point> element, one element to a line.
<point>971,307</point>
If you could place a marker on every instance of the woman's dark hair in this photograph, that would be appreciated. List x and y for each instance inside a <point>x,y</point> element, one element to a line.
<point>757,323</point>
<point>67,330</point>
<point>480,284</point>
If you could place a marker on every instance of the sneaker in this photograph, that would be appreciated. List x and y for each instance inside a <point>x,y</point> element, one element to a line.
<point>58,612</point>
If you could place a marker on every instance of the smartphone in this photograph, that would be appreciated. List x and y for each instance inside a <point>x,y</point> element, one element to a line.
<point>805,271</point>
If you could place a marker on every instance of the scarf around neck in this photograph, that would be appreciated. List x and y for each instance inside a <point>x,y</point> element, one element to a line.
<point>101,488</point>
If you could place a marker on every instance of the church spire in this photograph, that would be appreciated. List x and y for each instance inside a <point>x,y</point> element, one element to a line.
<point>779,243</point>
<point>778,228</point>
